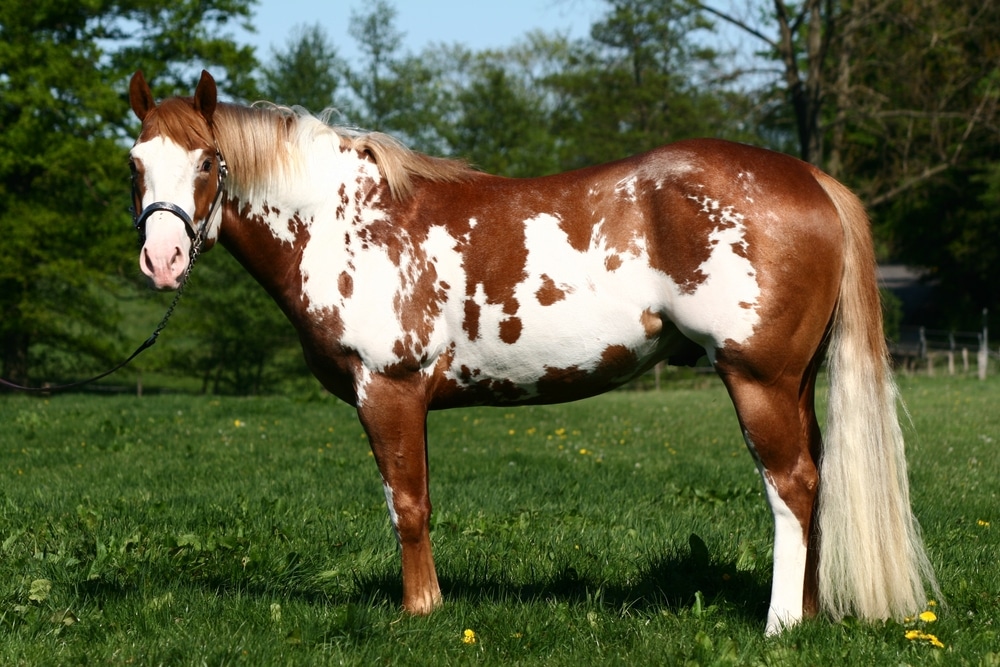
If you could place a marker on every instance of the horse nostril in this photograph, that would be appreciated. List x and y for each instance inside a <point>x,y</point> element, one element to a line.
<point>146,263</point>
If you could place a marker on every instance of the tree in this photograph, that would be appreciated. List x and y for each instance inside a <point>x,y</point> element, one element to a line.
<point>501,118</point>
<point>63,183</point>
<point>307,73</point>
<point>640,82</point>
<point>380,42</point>
<point>231,333</point>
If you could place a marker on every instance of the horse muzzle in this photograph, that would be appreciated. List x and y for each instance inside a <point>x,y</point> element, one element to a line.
<point>166,251</point>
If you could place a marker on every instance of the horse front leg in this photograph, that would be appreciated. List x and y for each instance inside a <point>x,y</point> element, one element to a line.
<point>394,415</point>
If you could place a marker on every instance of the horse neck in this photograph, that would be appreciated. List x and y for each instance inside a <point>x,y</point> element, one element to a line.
<point>268,222</point>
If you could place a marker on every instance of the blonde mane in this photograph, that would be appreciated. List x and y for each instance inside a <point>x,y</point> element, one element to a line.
<point>265,142</point>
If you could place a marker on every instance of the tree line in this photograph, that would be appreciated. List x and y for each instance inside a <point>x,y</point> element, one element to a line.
<point>897,98</point>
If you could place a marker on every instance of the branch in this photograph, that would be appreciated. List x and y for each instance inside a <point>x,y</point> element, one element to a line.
<point>738,23</point>
<point>910,183</point>
<point>930,172</point>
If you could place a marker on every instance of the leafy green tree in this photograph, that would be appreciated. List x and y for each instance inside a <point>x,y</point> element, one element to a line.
<point>901,100</point>
<point>308,73</point>
<point>380,42</point>
<point>230,333</point>
<point>640,82</point>
<point>63,181</point>
<point>501,122</point>
<point>396,92</point>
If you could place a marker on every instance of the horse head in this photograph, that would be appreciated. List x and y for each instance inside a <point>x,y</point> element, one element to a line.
<point>177,178</point>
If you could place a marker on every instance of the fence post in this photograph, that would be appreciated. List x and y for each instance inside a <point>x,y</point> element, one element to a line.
<point>984,347</point>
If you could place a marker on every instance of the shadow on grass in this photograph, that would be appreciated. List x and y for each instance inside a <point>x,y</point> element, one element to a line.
<point>672,583</point>
<point>675,582</point>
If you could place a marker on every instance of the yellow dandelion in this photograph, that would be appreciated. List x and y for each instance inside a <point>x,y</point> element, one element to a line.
<point>927,616</point>
<point>984,524</point>
<point>584,452</point>
<point>469,637</point>
<point>560,431</point>
<point>238,424</point>
<point>913,635</point>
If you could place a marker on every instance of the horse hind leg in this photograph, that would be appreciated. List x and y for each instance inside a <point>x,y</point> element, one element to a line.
<point>779,427</point>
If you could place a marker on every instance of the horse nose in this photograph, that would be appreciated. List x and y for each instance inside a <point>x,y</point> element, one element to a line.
<point>164,266</point>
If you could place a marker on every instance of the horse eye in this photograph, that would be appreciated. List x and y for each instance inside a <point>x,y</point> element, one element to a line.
<point>206,166</point>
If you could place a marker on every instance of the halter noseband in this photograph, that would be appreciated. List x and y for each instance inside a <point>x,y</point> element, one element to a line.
<point>194,233</point>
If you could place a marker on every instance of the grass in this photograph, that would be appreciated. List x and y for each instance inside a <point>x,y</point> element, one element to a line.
<point>627,529</point>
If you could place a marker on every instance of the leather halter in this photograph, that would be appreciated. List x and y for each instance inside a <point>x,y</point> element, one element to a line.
<point>196,234</point>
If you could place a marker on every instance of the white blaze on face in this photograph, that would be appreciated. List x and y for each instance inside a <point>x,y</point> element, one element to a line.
<point>169,173</point>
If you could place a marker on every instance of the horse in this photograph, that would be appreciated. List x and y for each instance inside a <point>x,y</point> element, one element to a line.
<point>418,283</point>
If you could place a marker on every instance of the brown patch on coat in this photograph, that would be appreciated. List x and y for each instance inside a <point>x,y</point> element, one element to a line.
<point>549,293</point>
<point>345,283</point>
<point>510,330</point>
<point>470,321</point>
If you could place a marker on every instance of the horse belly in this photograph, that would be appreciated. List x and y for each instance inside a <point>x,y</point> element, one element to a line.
<point>599,333</point>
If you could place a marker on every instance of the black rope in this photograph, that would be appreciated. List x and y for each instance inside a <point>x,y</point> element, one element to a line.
<point>146,344</point>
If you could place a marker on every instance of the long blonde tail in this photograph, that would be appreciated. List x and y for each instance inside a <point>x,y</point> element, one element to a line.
<point>872,562</point>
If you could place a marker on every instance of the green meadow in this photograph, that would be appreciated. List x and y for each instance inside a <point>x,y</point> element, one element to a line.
<point>626,529</point>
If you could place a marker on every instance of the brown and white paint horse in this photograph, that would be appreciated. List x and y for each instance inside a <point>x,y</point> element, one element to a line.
<point>416,283</point>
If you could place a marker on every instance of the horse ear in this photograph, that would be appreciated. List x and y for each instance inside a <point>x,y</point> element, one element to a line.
<point>205,96</point>
<point>140,97</point>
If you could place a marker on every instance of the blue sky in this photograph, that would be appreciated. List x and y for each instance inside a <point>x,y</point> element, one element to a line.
<point>478,24</point>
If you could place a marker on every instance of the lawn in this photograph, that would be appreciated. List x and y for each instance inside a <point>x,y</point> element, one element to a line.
<point>626,529</point>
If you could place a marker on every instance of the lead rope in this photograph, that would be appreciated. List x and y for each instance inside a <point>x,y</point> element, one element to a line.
<point>146,344</point>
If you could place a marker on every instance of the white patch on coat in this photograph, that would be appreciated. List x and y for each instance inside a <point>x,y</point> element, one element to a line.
<point>722,307</point>
<point>554,335</point>
<point>788,575</point>
<point>598,309</point>
<point>393,517</point>
<point>625,188</point>
<point>789,570</point>
<point>748,182</point>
